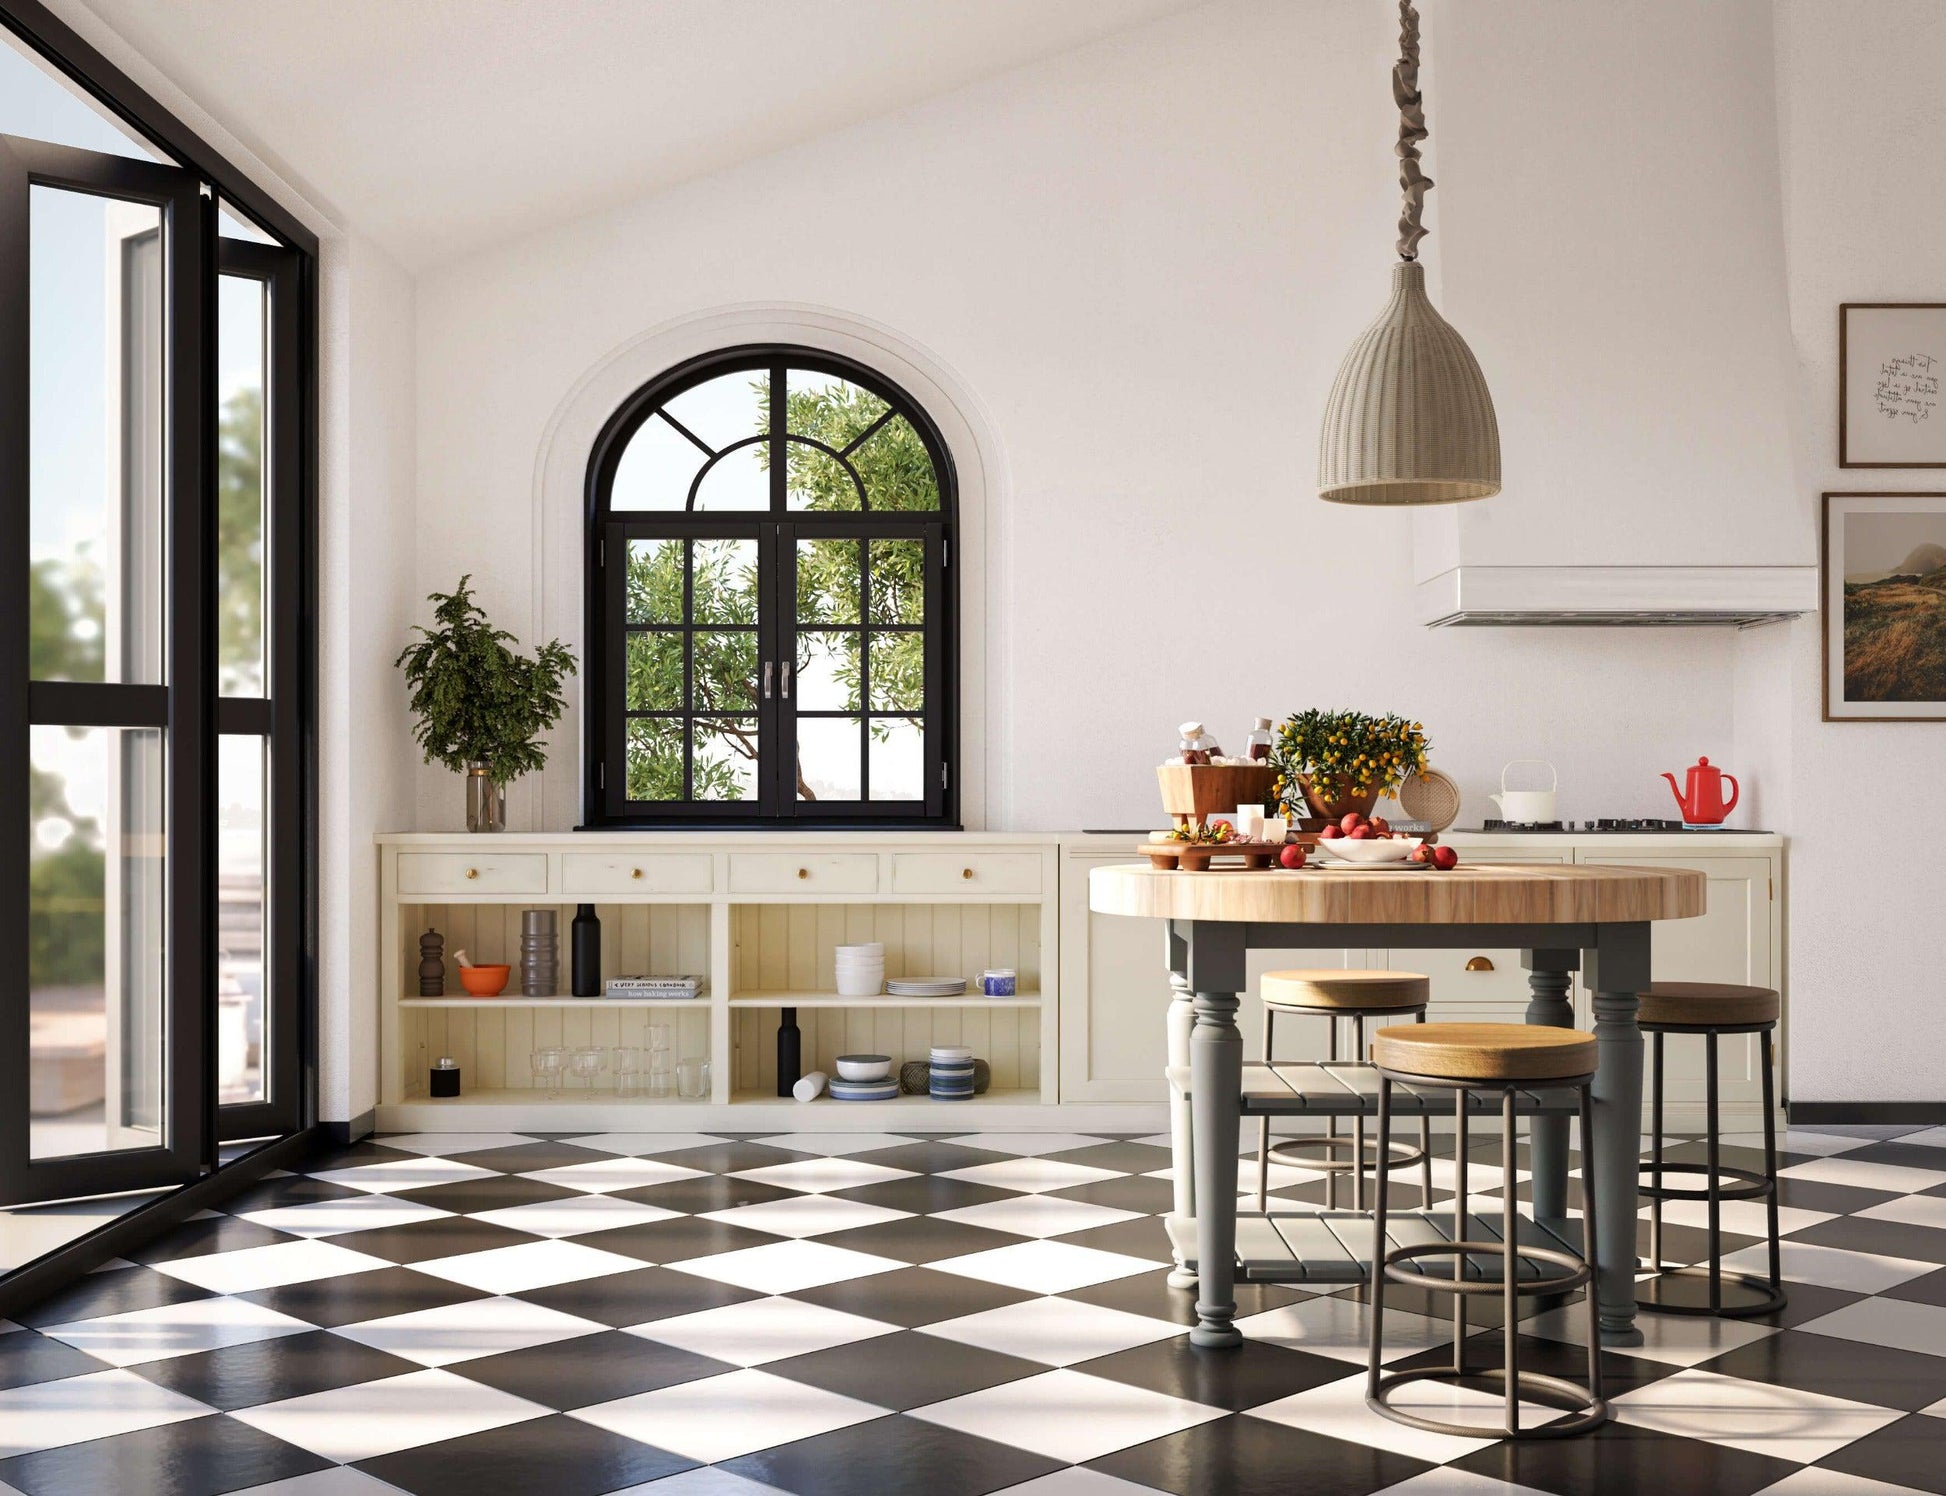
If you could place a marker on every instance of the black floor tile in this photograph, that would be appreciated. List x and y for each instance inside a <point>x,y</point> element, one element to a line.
<point>1402,1194</point>
<point>926,1194</point>
<point>1906,1453</point>
<point>1121,1155</point>
<point>1686,1244</point>
<point>421,1241</point>
<point>1130,1192</point>
<point>1253,1374</point>
<point>223,1233</point>
<point>1620,1459</point>
<point>1838,1199</point>
<point>675,1240</point>
<point>119,1290</point>
<point>630,1298</point>
<point>355,1155</point>
<point>931,1157</point>
<point>1930,1289</point>
<point>895,1456</point>
<point>245,1376</point>
<point>287,1189</point>
<point>912,1296</point>
<point>193,1458</point>
<point>494,1192</point>
<point>1150,1294</point>
<point>909,1369</point>
<point>1888,1238</point>
<point>1807,1301</point>
<point>1142,1237</point>
<point>1876,1374</point>
<point>705,1192</point>
<point>528,1158</point>
<point>729,1156</point>
<point>1905,1155</point>
<point>27,1357</point>
<point>1555,1358</point>
<point>1243,1456</point>
<point>356,1297</point>
<point>559,1455</point>
<point>920,1239</point>
<point>589,1369</point>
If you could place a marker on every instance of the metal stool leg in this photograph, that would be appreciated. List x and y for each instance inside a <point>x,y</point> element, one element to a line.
<point>1588,1239</point>
<point>1459,1231</point>
<point>1770,1167</point>
<point>1263,1123</point>
<point>1331,1126</point>
<point>1377,1306</point>
<point>1425,1148</point>
<point>1358,1122</point>
<point>1715,1185</point>
<point>1509,1260</point>
<point>1655,1145</point>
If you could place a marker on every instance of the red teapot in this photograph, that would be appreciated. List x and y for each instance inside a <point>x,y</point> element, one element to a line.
<point>1704,804</point>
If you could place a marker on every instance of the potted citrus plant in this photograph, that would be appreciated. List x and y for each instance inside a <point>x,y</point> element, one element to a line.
<point>482,708</point>
<point>1331,763</point>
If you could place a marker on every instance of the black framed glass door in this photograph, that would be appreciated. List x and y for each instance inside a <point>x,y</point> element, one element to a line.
<point>106,714</point>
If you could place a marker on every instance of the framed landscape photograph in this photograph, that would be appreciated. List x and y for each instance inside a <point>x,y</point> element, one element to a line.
<point>1891,355</point>
<point>1884,584</point>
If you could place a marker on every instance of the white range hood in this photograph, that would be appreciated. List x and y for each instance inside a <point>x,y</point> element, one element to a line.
<point>1502,596</point>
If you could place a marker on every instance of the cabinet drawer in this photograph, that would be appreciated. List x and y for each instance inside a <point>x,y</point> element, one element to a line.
<point>807,872</point>
<point>1496,977</point>
<point>974,872</point>
<point>594,872</point>
<point>459,872</point>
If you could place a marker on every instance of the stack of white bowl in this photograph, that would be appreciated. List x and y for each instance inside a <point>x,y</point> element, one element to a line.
<point>861,970</point>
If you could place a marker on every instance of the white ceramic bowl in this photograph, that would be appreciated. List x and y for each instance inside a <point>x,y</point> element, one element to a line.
<point>860,984</point>
<point>1373,849</point>
<point>864,1066</point>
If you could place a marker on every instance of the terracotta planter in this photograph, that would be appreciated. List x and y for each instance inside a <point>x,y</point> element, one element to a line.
<point>1336,806</point>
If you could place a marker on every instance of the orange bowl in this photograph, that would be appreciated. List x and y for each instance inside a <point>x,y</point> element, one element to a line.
<point>484,981</point>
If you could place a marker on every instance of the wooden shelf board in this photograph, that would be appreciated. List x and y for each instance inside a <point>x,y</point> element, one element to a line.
<point>515,1096</point>
<point>990,1098</point>
<point>504,1001</point>
<point>832,1000</point>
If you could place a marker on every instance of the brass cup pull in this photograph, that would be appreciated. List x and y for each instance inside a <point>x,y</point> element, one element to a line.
<point>635,872</point>
<point>472,872</point>
<point>966,872</point>
<point>1480,963</point>
<point>804,872</point>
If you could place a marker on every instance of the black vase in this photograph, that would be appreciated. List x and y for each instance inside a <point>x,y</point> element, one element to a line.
<point>790,1052</point>
<point>584,938</point>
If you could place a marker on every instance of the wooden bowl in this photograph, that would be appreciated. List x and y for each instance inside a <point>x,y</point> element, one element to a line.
<point>484,981</point>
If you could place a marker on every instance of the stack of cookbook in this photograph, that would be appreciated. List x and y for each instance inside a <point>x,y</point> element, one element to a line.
<point>664,989</point>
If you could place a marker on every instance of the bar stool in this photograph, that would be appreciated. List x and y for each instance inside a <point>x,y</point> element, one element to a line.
<point>1712,1009</point>
<point>1508,1058</point>
<point>1351,996</point>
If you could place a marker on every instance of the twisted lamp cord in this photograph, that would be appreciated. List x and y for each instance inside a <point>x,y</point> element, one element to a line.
<point>1412,129</point>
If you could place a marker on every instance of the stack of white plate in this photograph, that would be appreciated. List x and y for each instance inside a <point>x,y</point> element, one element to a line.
<point>926,986</point>
<point>861,970</point>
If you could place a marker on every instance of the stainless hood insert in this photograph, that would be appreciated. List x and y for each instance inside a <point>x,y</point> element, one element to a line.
<point>1616,596</point>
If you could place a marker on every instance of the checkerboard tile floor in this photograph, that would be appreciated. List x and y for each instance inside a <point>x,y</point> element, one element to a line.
<point>847,1315</point>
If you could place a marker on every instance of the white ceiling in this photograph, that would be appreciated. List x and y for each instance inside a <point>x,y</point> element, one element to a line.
<point>440,126</point>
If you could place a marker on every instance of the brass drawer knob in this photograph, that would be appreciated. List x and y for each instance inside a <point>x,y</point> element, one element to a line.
<point>804,872</point>
<point>1480,963</point>
<point>472,872</point>
<point>635,872</point>
<point>966,872</point>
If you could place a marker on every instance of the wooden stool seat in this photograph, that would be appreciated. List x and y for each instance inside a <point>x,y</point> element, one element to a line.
<point>1344,991</point>
<point>1485,1051</point>
<point>1705,1004</point>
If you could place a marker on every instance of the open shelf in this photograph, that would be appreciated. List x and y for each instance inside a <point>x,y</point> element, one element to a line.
<point>989,1098</point>
<point>535,1096</point>
<point>833,1000</point>
<point>516,1001</point>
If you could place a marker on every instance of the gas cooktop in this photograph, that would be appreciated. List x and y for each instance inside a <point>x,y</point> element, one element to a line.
<point>1605,824</point>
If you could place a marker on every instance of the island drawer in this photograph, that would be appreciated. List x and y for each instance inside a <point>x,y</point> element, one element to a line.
<point>969,872</point>
<point>803,872</point>
<point>463,873</point>
<point>666,872</point>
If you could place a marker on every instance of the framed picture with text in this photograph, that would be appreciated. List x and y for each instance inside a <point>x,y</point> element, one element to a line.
<point>1891,355</point>
<point>1883,560</point>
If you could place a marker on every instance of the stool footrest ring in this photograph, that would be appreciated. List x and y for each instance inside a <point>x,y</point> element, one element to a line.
<point>1284,1151</point>
<point>1740,1295</point>
<point>1585,1410</point>
<point>1578,1272</point>
<point>1750,1184</point>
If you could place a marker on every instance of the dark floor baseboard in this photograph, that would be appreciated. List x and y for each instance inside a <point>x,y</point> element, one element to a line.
<point>344,1134</point>
<point>1867,1113</point>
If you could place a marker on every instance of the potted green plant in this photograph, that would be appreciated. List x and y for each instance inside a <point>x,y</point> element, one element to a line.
<point>482,708</point>
<point>1330,763</point>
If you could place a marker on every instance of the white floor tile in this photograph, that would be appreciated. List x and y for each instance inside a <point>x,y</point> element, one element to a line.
<point>48,1415</point>
<point>399,1174</point>
<point>1673,1339</point>
<point>1340,1328</point>
<point>1039,1215</point>
<point>335,1217</point>
<point>339,1480</point>
<point>1867,1176</point>
<point>1911,1210</point>
<point>836,1144</point>
<point>1065,1415</point>
<point>719,1418</point>
<point>603,1175</point>
<point>1756,1416</point>
<point>1079,1480</point>
<point>1027,1144</point>
<point>1796,1140</point>
<point>462,1332</point>
<point>1932,1137</point>
<point>530,1264</point>
<point>448,1144</point>
<point>1893,1322</point>
<point>761,1330</point>
<point>575,1216</point>
<point>1739,1217</point>
<point>704,1480</point>
<point>269,1267</point>
<point>175,1330</point>
<point>1802,1262</point>
<point>1030,1175</point>
<point>1338,1410</point>
<point>1822,1482</point>
<point>644,1144</point>
<point>787,1266</point>
<point>823,1175</point>
<point>806,1215</point>
<point>1447,1481</point>
<point>374,1418</point>
<point>1057,1332</point>
<point>1044,1266</point>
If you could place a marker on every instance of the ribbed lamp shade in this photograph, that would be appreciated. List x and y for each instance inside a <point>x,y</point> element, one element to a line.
<point>1409,420</point>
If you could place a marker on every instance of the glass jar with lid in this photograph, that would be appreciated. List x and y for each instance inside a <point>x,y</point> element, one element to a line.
<point>1256,747</point>
<point>1197,746</point>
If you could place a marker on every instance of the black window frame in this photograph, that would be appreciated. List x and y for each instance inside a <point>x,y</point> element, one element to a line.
<point>775,530</point>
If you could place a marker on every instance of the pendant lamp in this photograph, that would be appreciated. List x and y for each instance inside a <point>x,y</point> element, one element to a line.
<point>1409,420</point>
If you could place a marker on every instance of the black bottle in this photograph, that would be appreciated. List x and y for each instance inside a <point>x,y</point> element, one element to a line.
<point>584,938</point>
<point>790,1052</point>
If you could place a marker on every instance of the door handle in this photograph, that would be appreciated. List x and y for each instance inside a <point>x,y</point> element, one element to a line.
<point>784,679</point>
<point>769,666</point>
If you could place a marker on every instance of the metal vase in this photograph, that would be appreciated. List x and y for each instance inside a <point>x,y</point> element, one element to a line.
<point>540,954</point>
<point>486,802</point>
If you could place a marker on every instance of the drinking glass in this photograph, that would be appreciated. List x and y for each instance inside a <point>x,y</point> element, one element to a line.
<point>547,1064</point>
<point>661,1078</point>
<point>587,1063</point>
<point>692,1079</point>
<point>660,1035</point>
<point>628,1069</point>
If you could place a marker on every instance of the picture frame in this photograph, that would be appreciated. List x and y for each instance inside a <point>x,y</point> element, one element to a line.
<point>1884,614</point>
<point>1891,363</point>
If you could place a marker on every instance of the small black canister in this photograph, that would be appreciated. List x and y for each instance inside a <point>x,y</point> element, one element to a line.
<point>443,1080</point>
<point>584,942</point>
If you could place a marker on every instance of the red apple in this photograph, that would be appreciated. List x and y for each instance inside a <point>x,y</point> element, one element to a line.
<point>1292,856</point>
<point>1361,833</point>
<point>1444,858</point>
<point>1379,824</point>
<point>1420,853</point>
<point>1352,821</point>
<point>1330,833</point>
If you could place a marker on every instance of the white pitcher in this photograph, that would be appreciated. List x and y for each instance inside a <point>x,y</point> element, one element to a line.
<point>1526,806</point>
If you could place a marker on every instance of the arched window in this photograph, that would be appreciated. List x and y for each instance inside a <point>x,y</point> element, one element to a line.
<point>771,608</point>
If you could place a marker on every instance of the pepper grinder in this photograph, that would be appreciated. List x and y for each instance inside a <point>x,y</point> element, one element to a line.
<point>584,944</point>
<point>432,964</point>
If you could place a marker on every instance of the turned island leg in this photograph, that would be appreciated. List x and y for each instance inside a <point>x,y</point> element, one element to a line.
<point>1216,975</point>
<point>1182,1019</point>
<point>1618,970</point>
<point>1550,974</point>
